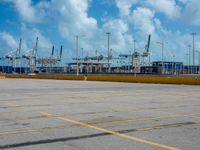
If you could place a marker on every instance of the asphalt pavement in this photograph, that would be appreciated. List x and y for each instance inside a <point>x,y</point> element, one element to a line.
<point>82,115</point>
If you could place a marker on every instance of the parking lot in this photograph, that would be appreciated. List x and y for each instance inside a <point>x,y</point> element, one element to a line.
<point>83,115</point>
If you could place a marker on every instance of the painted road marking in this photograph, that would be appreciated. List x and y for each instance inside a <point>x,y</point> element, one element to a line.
<point>112,132</point>
<point>118,122</point>
<point>121,131</point>
<point>104,123</point>
<point>150,118</point>
<point>34,130</point>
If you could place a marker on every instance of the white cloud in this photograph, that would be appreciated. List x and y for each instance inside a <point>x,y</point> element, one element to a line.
<point>9,43</point>
<point>70,18</point>
<point>191,12</point>
<point>124,6</point>
<point>120,39</point>
<point>29,35</point>
<point>25,9</point>
<point>142,18</point>
<point>8,40</point>
<point>184,1</point>
<point>168,7</point>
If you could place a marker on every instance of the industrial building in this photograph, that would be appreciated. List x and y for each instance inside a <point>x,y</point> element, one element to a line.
<point>133,63</point>
<point>167,67</point>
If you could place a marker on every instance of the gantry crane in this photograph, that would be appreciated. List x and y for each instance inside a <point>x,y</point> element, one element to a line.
<point>146,52</point>
<point>15,56</point>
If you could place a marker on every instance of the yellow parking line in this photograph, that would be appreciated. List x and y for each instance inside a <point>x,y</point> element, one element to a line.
<point>75,125</point>
<point>17,131</point>
<point>150,118</point>
<point>113,132</point>
<point>35,130</point>
<point>106,123</point>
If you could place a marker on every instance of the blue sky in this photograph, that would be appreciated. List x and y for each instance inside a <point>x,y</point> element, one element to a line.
<point>56,22</point>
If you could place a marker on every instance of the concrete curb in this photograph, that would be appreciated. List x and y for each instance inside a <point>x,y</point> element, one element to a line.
<point>2,77</point>
<point>158,80</point>
<point>130,79</point>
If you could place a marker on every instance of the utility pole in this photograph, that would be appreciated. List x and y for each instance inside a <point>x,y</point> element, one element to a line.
<point>162,44</point>
<point>108,34</point>
<point>186,54</point>
<point>77,67</point>
<point>77,53</point>
<point>198,57</point>
<point>19,55</point>
<point>162,48</point>
<point>198,52</point>
<point>189,59</point>
<point>34,55</point>
<point>193,38</point>
<point>189,55</point>
<point>96,53</point>
<point>134,45</point>
<point>82,53</point>
<point>174,66</point>
<point>129,63</point>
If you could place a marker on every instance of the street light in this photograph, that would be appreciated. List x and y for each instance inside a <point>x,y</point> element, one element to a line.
<point>162,48</point>
<point>108,34</point>
<point>174,66</point>
<point>77,61</point>
<point>189,59</point>
<point>198,59</point>
<point>134,46</point>
<point>198,52</point>
<point>193,35</point>
<point>82,54</point>
<point>129,63</point>
<point>189,55</point>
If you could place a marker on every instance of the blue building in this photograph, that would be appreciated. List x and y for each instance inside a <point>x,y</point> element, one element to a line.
<point>168,67</point>
<point>6,69</point>
<point>10,69</point>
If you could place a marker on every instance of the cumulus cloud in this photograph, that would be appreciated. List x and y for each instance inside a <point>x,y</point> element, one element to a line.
<point>8,40</point>
<point>121,41</point>
<point>184,1</point>
<point>168,7</point>
<point>73,18</point>
<point>124,6</point>
<point>142,18</point>
<point>9,43</point>
<point>29,35</point>
<point>191,12</point>
<point>25,9</point>
<point>68,18</point>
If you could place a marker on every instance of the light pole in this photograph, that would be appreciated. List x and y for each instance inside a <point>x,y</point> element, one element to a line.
<point>108,35</point>
<point>174,65</point>
<point>134,54</point>
<point>134,45</point>
<point>186,54</point>
<point>189,59</point>
<point>162,48</point>
<point>82,53</point>
<point>198,52</point>
<point>77,59</point>
<point>129,63</point>
<point>193,38</point>
<point>189,52</point>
